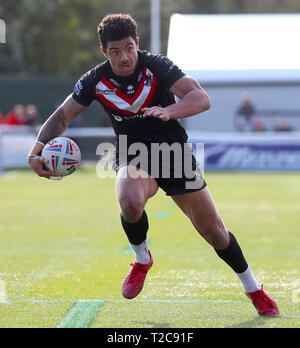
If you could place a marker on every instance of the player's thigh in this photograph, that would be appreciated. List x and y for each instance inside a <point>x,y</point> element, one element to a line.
<point>134,186</point>
<point>199,206</point>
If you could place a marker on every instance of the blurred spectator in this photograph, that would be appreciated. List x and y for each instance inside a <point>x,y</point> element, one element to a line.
<point>16,117</point>
<point>1,118</point>
<point>245,114</point>
<point>32,116</point>
<point>258,125</point>
<point>283,126</point>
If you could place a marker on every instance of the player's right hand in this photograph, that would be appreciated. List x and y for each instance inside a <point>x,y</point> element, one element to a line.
<point>38,166</point>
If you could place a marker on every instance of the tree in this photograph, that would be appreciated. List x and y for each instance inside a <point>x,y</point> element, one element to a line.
<point>59,37</point>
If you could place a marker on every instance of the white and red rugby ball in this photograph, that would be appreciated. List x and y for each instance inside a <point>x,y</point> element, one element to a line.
<point>63,154</point>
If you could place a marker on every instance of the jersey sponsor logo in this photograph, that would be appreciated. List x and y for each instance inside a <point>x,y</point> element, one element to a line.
<point>123,103</point>
<point>127,118</point>
<point>106,91</point>
<point>115,83</point>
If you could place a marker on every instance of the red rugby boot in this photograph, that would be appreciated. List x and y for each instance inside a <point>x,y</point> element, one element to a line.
<point>134,281</point>
<point>263,303</point>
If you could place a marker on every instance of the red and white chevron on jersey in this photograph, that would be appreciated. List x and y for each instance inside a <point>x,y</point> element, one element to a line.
<point>115,99</point>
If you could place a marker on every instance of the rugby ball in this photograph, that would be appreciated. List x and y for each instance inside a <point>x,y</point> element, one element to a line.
<point>63,154</point>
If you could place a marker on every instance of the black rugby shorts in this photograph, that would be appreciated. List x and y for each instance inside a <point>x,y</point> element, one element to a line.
<point>173,166</point>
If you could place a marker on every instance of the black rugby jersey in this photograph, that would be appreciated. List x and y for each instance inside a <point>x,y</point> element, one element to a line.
<point>124,97</point>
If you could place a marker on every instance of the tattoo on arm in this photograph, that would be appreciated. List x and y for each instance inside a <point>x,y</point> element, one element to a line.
<point>54,127</point>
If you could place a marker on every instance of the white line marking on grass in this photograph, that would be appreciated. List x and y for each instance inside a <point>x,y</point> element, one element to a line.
<point>190,301</point>
<point>127,301</point>
<point>84,312</point>
<point>116,252</point>
<point>3,298</point>
<point>126,250</point>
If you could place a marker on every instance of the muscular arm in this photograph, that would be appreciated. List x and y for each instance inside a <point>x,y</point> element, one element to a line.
<point>54,127</point>
<point>193,100</point>
<point>60,120</point>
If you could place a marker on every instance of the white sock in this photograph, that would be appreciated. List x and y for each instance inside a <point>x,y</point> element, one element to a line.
<point>250,284</point>
<point>141,252</point>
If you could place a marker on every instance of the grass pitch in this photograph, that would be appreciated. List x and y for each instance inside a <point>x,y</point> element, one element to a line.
<point>61,243</point>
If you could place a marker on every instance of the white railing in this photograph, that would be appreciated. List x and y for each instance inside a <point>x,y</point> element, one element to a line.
<point>16,142</point>
<point>71,132</point>
<point>278,151</point>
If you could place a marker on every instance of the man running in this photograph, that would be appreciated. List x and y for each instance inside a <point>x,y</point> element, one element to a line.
<point>137,90</point>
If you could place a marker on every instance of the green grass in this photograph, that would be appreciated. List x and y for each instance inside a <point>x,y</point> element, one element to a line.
<point>62,242</point>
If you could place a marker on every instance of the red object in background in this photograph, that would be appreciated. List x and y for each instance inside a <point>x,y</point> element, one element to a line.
<point>16,117</point>
<point>1,118</point>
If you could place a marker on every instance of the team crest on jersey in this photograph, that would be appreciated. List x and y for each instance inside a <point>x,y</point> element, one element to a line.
<point>130,90</point>
<point>121,102</point>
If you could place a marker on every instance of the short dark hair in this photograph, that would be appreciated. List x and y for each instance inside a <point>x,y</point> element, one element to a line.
<point>116,27</point>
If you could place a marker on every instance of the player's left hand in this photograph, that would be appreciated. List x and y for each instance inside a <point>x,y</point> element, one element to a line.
<point>158,112</point>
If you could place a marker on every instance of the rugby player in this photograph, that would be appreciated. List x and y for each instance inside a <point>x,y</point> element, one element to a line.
<point>137,90</point>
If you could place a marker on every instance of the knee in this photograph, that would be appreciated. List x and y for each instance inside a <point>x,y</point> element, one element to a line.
<point>131,208</point>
